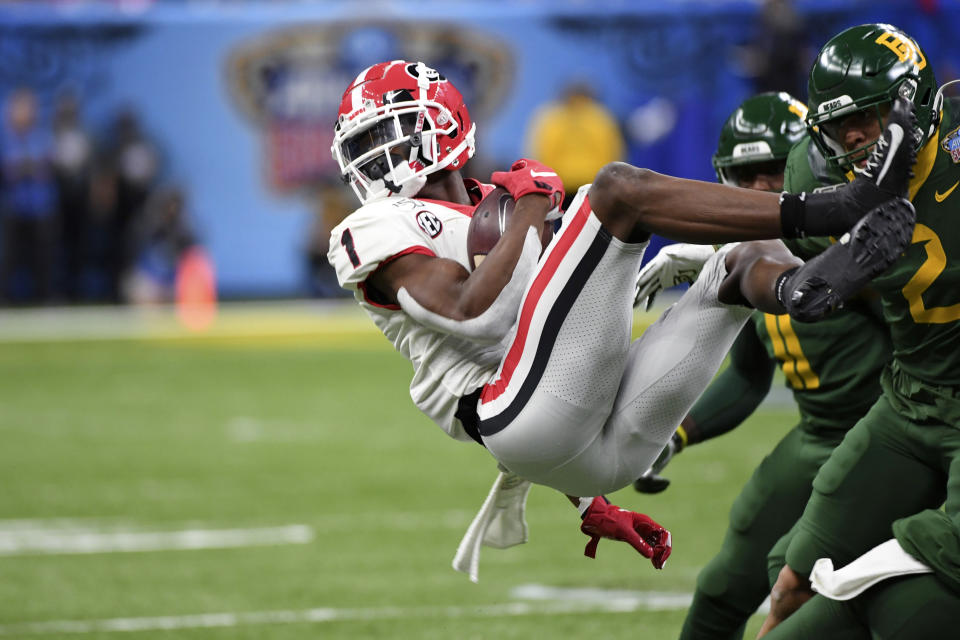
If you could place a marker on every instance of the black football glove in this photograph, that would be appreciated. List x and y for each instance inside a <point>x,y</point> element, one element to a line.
<point>825,282</point>
<point>651,481</point>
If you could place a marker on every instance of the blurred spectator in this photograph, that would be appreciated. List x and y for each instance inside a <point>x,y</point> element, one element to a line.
<point>575,135</point>
<point>136,163</point>
<point>28,202</point>
<point>160,238</point>
<point>100,280</point>
<point>72,161</point>
<point>779,58</point>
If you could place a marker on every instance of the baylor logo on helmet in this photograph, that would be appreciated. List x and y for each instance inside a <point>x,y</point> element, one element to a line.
<point>905,49</point>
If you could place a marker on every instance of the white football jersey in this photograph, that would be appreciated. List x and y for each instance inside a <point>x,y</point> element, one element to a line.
<point>445,367</point>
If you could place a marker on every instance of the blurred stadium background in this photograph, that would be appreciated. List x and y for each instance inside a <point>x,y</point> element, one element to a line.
<point>249,464</point>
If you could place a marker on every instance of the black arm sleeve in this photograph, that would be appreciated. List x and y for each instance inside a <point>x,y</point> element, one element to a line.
<point>736,392</point>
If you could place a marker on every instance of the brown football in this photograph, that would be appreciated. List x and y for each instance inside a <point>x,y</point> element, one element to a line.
<point>490,220</point>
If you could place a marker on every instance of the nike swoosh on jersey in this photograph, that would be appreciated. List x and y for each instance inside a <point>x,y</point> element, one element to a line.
<point>940,197</point>
<point>541,174</point>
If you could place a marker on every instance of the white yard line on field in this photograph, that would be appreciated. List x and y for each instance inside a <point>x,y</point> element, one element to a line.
<point>25,540</point>
<point>651,600</point>
<point>15,532</point>
<point>563,601</point>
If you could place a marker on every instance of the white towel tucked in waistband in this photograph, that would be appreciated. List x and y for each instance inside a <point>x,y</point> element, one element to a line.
<point>884,561</point>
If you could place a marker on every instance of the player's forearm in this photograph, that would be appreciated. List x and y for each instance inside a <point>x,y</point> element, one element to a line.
<point>688,210</point>
<point>479,291</point>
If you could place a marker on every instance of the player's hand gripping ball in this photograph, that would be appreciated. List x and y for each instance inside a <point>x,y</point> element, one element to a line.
<point>490,219</point>
<point>529,176</point>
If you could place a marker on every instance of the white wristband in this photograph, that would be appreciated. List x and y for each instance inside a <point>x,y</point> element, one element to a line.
<point>584,505</point>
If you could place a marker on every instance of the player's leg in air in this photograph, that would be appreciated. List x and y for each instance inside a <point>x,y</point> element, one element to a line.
<point>576,327</point>
<point>581,333</point>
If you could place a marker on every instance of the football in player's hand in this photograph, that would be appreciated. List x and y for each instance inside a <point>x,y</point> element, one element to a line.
<point>488,224</point>
<point>490,220</point>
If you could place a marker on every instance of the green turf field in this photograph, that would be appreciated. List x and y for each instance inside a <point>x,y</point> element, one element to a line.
<point>273,480</point>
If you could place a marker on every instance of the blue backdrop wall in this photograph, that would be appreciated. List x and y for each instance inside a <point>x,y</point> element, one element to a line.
<point>241,97</point>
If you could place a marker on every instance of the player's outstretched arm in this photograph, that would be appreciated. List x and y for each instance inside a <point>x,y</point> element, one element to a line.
<point>885,177</point>
<point>633,202</point>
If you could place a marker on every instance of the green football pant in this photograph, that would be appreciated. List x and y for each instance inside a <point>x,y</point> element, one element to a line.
<point>886,468</point>
<point>734,583</point>
<point>909,608</point>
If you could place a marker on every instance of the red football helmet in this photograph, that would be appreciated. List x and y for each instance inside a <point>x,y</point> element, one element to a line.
<point>399,122</point>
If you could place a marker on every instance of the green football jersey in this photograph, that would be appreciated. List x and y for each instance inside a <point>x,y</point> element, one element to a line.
<point>833,366</point>
<point>921,291</point>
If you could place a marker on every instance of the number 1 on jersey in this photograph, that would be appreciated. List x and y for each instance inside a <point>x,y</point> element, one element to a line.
<point>346,239</point>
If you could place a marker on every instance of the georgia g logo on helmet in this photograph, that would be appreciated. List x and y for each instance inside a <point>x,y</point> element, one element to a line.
<point>419,70</point>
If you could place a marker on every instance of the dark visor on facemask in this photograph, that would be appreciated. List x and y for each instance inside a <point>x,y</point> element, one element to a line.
<point>377,134</point>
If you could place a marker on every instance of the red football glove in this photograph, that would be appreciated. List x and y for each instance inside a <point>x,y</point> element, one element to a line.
<point>605,520</point>
<point>529,176</point>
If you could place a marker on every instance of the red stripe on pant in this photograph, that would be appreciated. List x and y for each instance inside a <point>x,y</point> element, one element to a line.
<point>493,390</point>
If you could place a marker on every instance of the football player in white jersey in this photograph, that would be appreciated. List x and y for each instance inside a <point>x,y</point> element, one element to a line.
<point>530,355</point>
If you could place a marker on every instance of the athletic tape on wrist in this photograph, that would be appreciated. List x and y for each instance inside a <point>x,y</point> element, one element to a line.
<point>792,214</point>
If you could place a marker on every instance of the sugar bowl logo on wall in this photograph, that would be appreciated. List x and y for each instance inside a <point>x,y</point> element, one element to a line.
<point>288,83</point>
